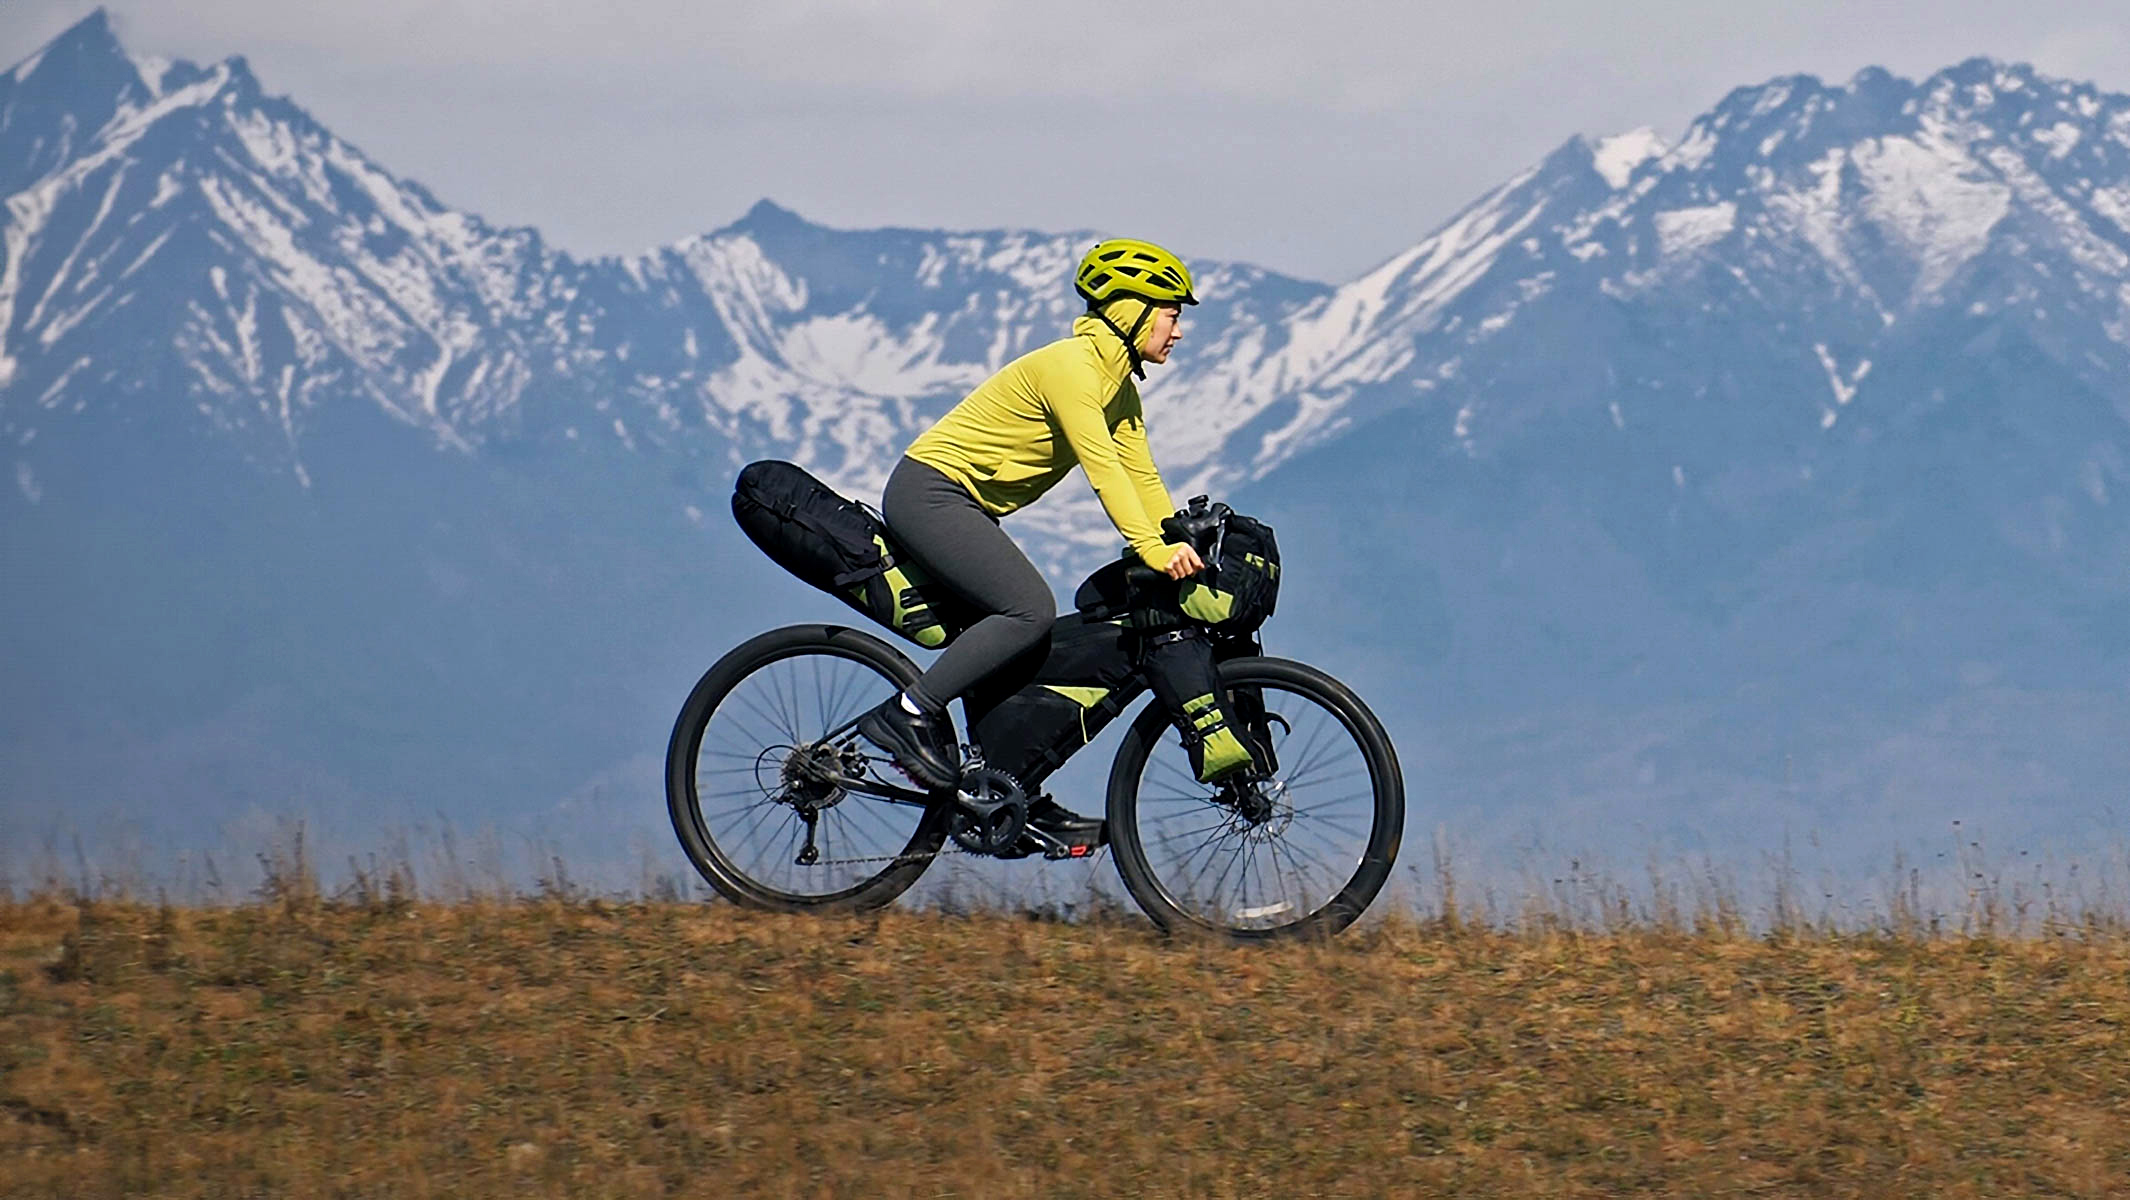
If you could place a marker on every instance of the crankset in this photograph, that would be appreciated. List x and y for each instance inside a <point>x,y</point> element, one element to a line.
<point>990,811</point>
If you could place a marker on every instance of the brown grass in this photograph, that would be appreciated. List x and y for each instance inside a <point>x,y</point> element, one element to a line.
<point>584,1048</point>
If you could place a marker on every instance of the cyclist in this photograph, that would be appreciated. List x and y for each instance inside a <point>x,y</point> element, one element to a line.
<point>1071,402</point>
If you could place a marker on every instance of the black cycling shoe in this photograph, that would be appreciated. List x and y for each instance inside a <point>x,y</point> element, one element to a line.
<point>1081,835</point>
<point>915,743</point>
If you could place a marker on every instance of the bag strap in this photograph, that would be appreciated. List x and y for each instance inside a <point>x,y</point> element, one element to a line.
<point>807,521</point>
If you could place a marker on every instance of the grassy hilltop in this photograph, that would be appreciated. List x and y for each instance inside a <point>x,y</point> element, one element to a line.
<point>300,1048</point>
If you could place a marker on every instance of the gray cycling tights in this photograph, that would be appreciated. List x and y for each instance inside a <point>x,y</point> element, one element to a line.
<point>939,524</point>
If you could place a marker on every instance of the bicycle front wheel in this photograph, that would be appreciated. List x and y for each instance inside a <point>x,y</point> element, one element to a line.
<point>1301,853</point>
<point>762,829</point>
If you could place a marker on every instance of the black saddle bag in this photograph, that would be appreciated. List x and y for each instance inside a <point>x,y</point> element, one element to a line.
<point>843,548</point>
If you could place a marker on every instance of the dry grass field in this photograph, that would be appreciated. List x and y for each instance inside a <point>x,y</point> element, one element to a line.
<point>301,1047</point>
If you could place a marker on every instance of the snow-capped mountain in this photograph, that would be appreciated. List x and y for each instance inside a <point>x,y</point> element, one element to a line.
<point>1815,289</point>
<point>1838,217</point>
<point>1794,441</point>
<point>1806,434</point>
<point>175,231</point>
<point>178,232</point>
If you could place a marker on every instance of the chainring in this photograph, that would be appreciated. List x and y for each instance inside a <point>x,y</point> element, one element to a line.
<point>990,811</point>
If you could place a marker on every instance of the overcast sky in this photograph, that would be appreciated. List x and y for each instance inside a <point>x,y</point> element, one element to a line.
<point>1316,139</point>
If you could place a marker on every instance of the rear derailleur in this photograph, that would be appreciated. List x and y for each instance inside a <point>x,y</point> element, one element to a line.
<point>811,781</point>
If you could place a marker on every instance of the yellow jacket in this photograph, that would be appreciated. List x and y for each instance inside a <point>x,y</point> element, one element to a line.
<point>1070,402</point>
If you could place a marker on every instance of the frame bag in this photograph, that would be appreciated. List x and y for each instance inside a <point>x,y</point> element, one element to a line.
<point>1088,676</point>
<point>841,547</point>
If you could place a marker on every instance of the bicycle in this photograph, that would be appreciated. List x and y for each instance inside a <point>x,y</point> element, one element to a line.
<point>780,806</point>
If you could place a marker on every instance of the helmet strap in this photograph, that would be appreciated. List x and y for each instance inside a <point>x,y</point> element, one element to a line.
<point>1131,340</point>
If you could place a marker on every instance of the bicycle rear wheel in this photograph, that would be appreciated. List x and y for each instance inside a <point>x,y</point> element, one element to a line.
<point>1301,853</point>
<point>742,802</point>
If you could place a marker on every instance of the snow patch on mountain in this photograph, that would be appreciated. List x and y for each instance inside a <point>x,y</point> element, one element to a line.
<point>1616,157</point>
<point>1690,230</point>
<point>1932,196</point>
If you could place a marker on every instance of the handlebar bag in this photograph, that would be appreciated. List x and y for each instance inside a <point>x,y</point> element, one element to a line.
<point>1242,588</point>
<point>841,547</point>
<point>1233,598</point>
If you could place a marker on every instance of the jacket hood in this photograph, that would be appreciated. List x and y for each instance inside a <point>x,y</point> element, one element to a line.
<point>1126,313</point>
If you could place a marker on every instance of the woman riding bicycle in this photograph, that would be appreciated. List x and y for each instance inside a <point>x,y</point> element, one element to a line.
<point>1013,438</point>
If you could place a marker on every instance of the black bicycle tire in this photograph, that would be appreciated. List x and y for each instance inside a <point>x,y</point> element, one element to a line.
<point>683,806</point>
<point>1387,784</point>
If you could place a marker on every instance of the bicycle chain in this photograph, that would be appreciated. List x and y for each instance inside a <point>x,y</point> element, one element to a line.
<point>950,849</point>
<point>891,859</point>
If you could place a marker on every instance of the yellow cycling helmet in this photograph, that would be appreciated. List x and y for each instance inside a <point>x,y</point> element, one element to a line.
<point>1129,267</point>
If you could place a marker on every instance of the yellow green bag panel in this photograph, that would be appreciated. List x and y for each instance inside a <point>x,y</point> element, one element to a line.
<point>1207,604</point>
<point>1221,754</point>
<point>1181,668</point>
<point>912,614</point>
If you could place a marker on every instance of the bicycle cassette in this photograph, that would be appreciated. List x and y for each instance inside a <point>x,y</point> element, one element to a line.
<point>990,811</point>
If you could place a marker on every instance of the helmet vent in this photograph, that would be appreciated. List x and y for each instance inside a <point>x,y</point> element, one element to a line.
<point>1127,267</point>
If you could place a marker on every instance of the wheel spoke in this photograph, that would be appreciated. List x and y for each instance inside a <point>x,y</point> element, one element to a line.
<point>1309,750</point>
<point>779,710</point>
<point>1180,834</point>
<point>851,688</point>
<point>1292,786</point>
<point>1316,808</point>
<point>1255,860</point>
<point>771,719</point>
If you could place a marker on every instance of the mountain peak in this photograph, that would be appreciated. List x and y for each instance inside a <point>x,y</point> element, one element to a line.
<point>92,33</point>
<point>88,48</point>
<point>765,218</point>
<point>56,98</point>
<point>767,215</point>
<point>1985,78</point>
<point>239,77</point>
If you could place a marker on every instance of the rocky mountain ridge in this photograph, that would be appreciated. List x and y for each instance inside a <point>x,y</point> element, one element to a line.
<point>1764,476</point>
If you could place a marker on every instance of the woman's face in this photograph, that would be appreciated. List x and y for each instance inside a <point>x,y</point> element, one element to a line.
<point>1163,330</point>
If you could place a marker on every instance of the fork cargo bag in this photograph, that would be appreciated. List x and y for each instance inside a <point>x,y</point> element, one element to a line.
<point>843,548</point>
<point>1181,668</point>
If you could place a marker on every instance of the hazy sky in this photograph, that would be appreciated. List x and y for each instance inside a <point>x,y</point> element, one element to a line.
<point>1313,138</point>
